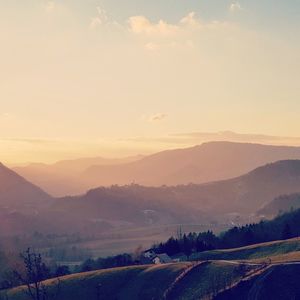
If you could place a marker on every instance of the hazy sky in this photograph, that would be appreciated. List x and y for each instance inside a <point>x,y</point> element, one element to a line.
<point>85,77</point>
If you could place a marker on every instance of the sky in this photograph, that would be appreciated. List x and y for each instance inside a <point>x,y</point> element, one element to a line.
<point>115,78</point>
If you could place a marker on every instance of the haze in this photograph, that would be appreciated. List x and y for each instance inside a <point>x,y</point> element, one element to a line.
<point>80,78</point>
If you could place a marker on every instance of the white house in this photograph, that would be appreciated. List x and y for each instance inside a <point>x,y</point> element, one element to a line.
<point>162,259</point>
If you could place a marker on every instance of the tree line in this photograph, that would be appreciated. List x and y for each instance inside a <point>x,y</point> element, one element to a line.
<point>284,226</point>
<point>34,271</point>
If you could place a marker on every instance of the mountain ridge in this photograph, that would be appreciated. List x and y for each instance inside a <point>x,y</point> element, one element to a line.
<point>211,161</point>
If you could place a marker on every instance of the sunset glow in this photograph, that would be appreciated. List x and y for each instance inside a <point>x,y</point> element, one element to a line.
<point>94,76</point>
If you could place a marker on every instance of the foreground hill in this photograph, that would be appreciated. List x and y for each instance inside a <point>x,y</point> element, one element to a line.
<point>205,163</point>
<point>277,282</point>
<point>278,251</point>
<point>145,282</point>
<point>206,279</point>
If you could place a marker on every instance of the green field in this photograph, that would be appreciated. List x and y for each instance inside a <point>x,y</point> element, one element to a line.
<point>258,251</point>
<point>138,282</point>
<point>278,282</point>
<point>217,271</point>
<point>142,282</point>
<point>207,279</point>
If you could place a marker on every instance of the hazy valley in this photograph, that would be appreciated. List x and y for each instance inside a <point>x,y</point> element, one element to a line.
<point>149,150</point>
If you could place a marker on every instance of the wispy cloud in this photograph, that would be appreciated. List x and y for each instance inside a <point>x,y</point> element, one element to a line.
<point>152,46</point>
<point>162,34</point>
<point>30,141</point>
<point>142,25</point>
<point>50,6</point>
<point>157,117</point>
<point>100,19</point>
<point>154,118</point>
<point>103,18</point>
<point>5,116</point>
<point>95,22</point>
<point>235,7</point>
<point>197,138</point>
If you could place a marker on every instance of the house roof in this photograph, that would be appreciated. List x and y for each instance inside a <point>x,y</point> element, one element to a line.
<point>165,258</point>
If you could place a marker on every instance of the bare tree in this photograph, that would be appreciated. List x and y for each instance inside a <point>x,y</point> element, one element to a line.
<point>33,275</point>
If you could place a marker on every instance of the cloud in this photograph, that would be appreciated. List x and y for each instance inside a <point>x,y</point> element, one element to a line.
<point>102,18</point>
<point>142,25</point>
<point>157,117</point>
<point>190,20</point>
<point>183,34</point>
<point>29,141</point>
<point>152,46</point>
<point>197,138</point>
<point>7,118</point>
<point>235,6</point>
<point>50,6</point>
<point>95,22</point>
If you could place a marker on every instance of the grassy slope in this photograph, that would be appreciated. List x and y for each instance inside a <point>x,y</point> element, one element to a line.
<point>143,282</point>
<point>257,251</point>
<point>206,280</point>
<point>277,282</point>
<point>129,283</point>
<point>151,282</point>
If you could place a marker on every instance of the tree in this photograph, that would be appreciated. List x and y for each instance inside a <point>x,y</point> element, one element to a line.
<point>286,233</point>
<point>33,275</point>
<point>186,246</point>
<point>62,271</point>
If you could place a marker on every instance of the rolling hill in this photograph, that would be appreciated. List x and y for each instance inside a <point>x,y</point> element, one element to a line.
<point>139,206</point>
<point>258,252</point>
<point>142,282</point>
<point>277,282</point>
<point>187,203</point>
<point>208,162</point>
<point>204,279</point>
<point>280,204</point>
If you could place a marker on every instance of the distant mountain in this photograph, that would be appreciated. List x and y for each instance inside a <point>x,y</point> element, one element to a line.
<point>205,163</point>
<point>280,204</point>
<point>64,177</point>
<point>134,205</point>
<point>250,192</point>
<point>16,193</point>
<point>202,203</point>
<point>131,205</point>
<point>25,209</point>
<point>208,162</point>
